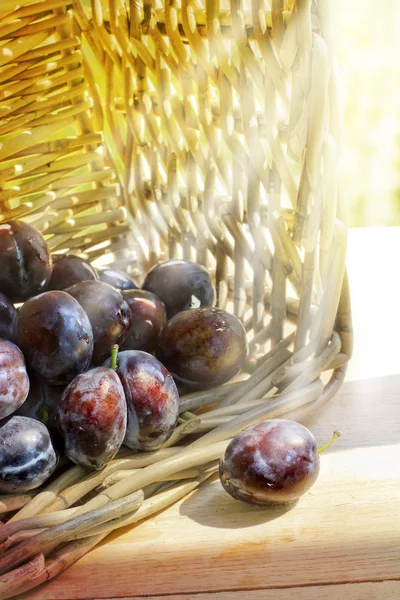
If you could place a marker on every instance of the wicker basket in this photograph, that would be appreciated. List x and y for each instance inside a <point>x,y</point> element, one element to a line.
<point>204,129</point>
<point>134,131</point>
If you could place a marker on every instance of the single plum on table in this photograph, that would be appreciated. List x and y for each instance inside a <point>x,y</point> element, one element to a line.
<point>8,314</point>
<point>181,285</point>
<point>148,319</point>
<point>203,347</point>
<point>92,417</point>
<point>152,400</point>
<point>68,270</point>
<point>273,462</point>
<point>27,456</point>
<point>108,312</point>
<point>118,279</point>
<point>25,261</point>
<point>14,380</point>
<point>55,335</point>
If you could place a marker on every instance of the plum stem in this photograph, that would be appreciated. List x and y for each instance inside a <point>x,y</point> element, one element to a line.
<point>114,354</point>
<point>336,435</point>
<point>44,415</point>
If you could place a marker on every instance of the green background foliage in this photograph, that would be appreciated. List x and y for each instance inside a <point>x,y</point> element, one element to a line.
<point>368,52</point>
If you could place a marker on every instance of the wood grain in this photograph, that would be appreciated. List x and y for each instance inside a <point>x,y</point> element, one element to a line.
<point>383,590</point>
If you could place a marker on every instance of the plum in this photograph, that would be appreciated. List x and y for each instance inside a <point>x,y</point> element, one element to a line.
<point>148,318</point>
<point>272,462</point>
<point>8,314</point>
<point>41,404</point>
<point>118,279</point>
<point>108,312</point>
<point>152,400</point>
<point>55,335</point>
<point>27,457</point>
<point>68,270</point>
<point>181,285</point>
<point>203,347</point>
<point>92,417</point>
<point>14,380</point>
<point>25,261</point>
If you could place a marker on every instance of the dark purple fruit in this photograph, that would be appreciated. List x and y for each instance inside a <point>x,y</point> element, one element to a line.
<point>148,319</point>
<point>118,279</point>
<point>108,313</point>
<point>8,314</point>
<point>92,417</point>
<point>27,457</point>
<point>55,335</point>
<point>152,400</point>
<point>25,261</point>
<point>68,270</point>
<point>181,285</point>
<point>272,462</point>
<point>14,381</point>
<point>203,348</point>
<point>41,404</point>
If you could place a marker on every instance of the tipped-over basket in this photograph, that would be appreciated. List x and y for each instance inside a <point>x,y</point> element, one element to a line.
<point>133,131</point>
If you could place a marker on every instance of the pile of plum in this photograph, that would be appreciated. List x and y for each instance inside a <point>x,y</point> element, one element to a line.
<point>89,362</point>
<point>59,389</point>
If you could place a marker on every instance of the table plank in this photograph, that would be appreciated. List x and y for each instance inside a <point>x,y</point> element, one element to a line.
<point>383,590</point>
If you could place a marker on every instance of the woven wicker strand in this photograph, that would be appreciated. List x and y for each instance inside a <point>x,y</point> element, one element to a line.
<point>134,131</point>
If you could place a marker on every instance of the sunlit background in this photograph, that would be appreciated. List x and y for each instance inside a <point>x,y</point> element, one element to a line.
<point>368,50</point>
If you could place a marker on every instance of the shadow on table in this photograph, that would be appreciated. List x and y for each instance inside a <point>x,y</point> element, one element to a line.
<point>213,507</point>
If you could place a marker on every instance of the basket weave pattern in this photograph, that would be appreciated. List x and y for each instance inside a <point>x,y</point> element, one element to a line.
<point>208,130</point>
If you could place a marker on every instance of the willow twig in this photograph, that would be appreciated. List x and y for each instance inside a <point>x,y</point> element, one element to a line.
<point>120,475</point>
<point>45,497</point>
<point>262,375</point>
<point>75,492</point>
<point>152,505</point>
<point>10,503</point>
<point>186,458</point>
<point>27,572</point>
<point>19,582</point>
<point>48,540</point>
<point>35,522</point>
<point>196,400</point>
<point>282,404</point>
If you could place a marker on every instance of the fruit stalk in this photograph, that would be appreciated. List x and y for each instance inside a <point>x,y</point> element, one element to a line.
<point>114,355</point>
<point>336,435</point>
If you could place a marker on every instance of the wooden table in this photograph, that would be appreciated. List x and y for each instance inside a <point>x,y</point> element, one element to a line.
<point>341,541</point>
